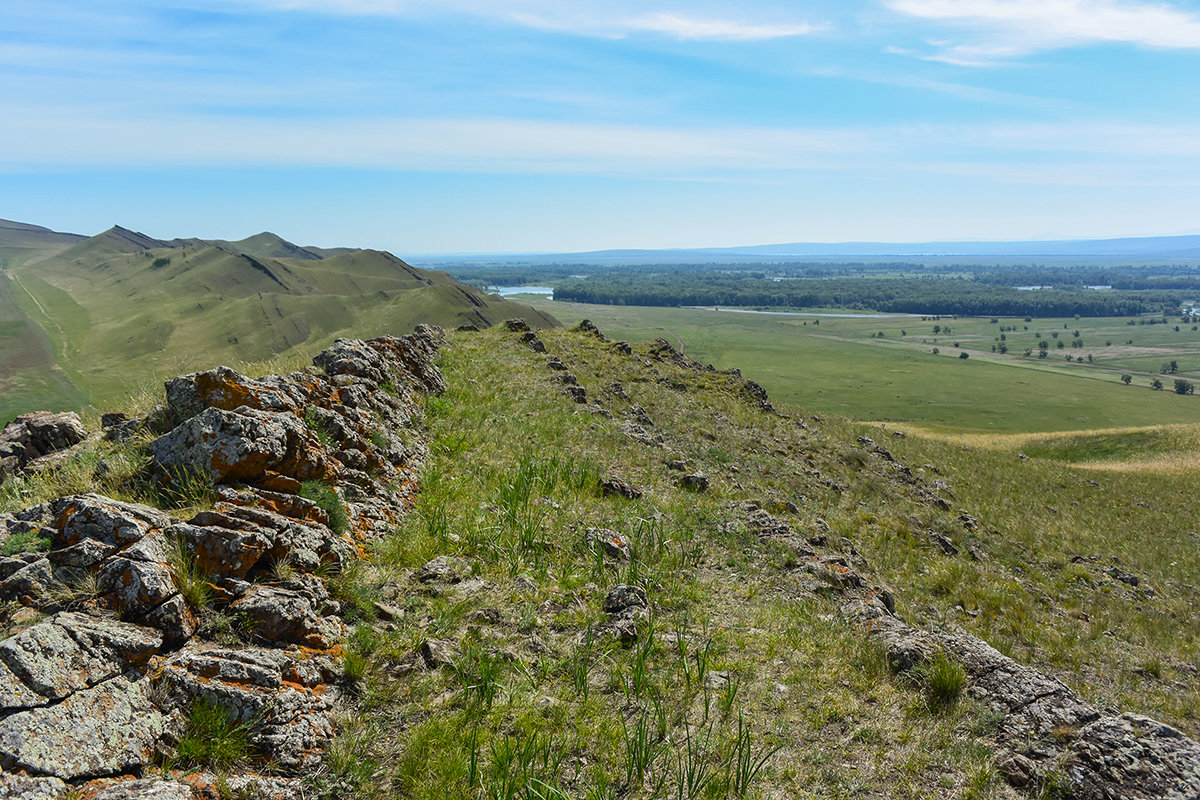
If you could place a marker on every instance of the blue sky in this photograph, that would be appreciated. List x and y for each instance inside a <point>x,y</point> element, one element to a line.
<point>535,125</point>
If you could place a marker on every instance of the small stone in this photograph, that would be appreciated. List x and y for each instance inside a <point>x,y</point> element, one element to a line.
<point>611,542</point>
<point>696,482</point>
<point>616,486</point>
<point>443,569</point>
<point>623,597</point>
<point>437,653</point>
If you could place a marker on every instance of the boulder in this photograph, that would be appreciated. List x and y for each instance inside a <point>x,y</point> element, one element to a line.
<point>109,729</point>
<point>71,652</point>
<point>223,388</point>
<point>281,615</point>
<point>40,433</point>
<point>241,445</point>
<point>286,700</point>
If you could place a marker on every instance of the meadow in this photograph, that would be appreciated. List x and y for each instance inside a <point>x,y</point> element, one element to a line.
<point>883,367</point>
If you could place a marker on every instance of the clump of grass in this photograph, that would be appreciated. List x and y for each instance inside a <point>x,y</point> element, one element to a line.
<point>943,680</point>
<point>27,542</point>
<point>190,577</point>
<point>327,499</point>
<point>186,487</point>
<point>213,737</point>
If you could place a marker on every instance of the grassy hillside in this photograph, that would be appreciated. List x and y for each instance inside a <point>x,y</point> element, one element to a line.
<point>842,365</point>
<point>743,652</point>
<point>123,308</point>
<point>744,680</point>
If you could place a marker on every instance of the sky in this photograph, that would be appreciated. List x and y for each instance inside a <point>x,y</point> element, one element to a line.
<point>467,126</point>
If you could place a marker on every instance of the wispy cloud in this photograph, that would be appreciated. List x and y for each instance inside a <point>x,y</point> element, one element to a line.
<point>1004,29</point>
<point>1104,152</point>
<point>583,17</point>
<point>675,26</point>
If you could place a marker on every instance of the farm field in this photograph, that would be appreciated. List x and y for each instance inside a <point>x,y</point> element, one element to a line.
<point>882,368</point>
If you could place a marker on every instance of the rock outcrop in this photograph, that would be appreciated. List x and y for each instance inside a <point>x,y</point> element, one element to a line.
<point>304,468</point>
<point>35,436</point>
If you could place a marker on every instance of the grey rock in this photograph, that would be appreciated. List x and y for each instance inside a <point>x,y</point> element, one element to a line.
<point>615,486</point>
<point>532,341</point>
<point>1133,758</point>
<point>284,616</point>
<point>108,521</point>
<point>516,325</point>
<point>239,445</point>
<point>29,584</point>
<point>25,787</point>
<point>146,789</point>
<point>612,543</point>
<point>437,653</point>
<point>443,569</point>
<point>696,482</point>
<point>623,597</point>
<point>71,651</point>
<point>40,433</point>
<point>106,730</point>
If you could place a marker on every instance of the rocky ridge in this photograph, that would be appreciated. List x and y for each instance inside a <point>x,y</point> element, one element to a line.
<point>109,649</point>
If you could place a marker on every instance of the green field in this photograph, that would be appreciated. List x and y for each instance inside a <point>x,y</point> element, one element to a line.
<point>841,365</point>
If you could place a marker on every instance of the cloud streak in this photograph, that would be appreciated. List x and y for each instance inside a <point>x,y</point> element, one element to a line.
<point>1104,153</point>
<point>1005,29</point>
<point>598,19</point>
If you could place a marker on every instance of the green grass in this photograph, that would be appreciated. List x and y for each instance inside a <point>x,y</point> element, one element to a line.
<point>742,682</point>
<point>839,366</point>
<point>27,542</point>
<point>212,737</point>
<point>328,500</point>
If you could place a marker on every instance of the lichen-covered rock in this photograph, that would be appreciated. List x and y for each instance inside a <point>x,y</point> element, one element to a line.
<point>443,569</point>
<point>1133,758</point>
<point>287,700</point>
<point>146,789</point>
<point>241,445</point>
<point>110,522</point>
<point>223,388</point>
<point>138,579</point>
<point>25,787</point>
<point>286,616</point>
<point>40,433</point>
<point>108,729</point>
<point>70,652</point>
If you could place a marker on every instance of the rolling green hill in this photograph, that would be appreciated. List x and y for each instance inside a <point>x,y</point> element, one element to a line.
<point>84,320</point>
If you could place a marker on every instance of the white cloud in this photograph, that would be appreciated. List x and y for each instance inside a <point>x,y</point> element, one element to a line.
<point>1008,28</point>
<point>612,19</point>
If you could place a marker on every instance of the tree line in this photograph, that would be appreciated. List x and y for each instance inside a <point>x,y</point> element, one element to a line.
<point>914,295</point>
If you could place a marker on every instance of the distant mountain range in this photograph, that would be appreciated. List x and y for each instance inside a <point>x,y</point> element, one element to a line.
<point>85,319</point>
<point>1140,248</point>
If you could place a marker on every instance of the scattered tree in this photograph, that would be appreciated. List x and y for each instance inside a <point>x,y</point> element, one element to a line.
<point>1156,384</point>
<point>1183,386</point>
<point>1126,378</point>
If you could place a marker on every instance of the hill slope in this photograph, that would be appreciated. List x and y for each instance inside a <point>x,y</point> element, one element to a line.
<point>89,317</point>
<point>624,575</point>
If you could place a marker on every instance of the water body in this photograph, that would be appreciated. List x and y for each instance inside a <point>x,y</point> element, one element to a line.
<point>508,291</point>
<point>796,313</point>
